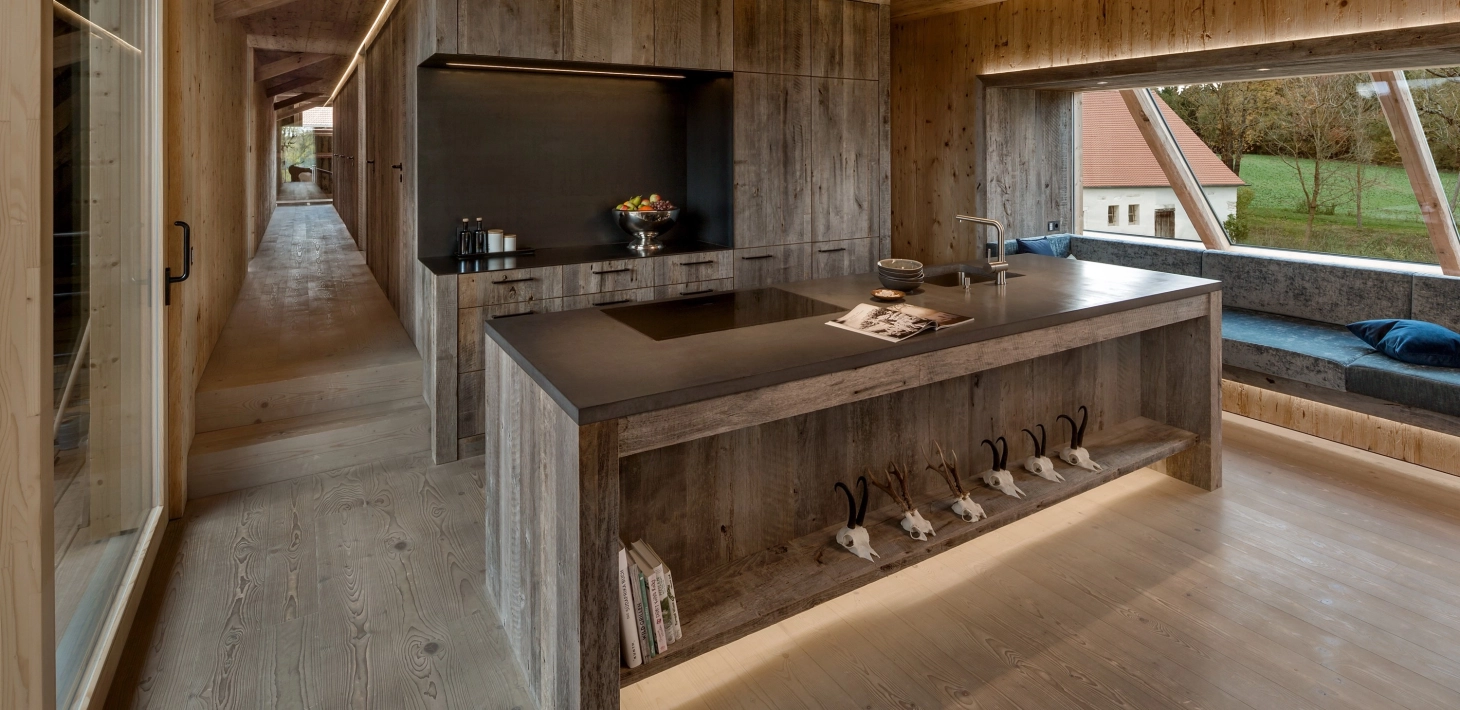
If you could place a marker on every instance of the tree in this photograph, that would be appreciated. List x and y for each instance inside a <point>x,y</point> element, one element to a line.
<point>1362,118</point>
<point>1437,99</point>
<point>1227,116</point>
<point>1310,130</point>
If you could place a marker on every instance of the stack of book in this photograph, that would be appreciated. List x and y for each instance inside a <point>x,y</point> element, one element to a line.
<point>648,614</point>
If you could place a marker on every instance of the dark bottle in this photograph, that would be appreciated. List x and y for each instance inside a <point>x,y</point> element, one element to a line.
<point>464,240</point>
<point>480,237</point>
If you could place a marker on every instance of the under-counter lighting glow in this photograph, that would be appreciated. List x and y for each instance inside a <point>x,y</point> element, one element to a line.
<point>462,65</point>
<point>1264,69</point>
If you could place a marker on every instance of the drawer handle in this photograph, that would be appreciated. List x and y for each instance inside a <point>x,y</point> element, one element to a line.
<point>614,303</point>
<point>829,251</point>
<point>696,293</point>
<point>696,263</point>
<point>612,271</point>
<point>514,281</point>
<point>513,315</point>
<point>762,256</point>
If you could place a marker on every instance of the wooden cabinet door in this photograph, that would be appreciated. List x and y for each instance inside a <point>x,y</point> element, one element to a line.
<point>844,39</point>
<point>693,34</point>
<point>844,163</point>
<point>772,159</point>
<point>531,29</point>
<point>613,31</point>
<point>766,266</point>
<point>850,256</point>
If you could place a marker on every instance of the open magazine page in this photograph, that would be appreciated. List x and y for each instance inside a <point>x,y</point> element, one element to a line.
<point>895,323</point>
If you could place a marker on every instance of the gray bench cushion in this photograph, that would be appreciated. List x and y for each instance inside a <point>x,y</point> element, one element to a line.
<point>1436,389</point>
<point>1177,258</point>
<point>1302,350</point>
<point>1321,292</point>
<point>1437,300</point>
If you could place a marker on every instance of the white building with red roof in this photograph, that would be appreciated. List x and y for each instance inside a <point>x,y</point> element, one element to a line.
<point>1125,190</point>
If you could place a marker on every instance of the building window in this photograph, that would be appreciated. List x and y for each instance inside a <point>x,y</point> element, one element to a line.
<point>1133,215</point>
<point>1112,215</point>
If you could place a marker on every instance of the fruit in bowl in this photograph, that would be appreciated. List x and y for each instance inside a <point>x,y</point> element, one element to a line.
<point>654,203</point>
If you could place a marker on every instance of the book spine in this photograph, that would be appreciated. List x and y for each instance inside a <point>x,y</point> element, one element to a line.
<point>628,631</point>
<point>656,597</point>
<point>678,630</point>
<point>641,611</point>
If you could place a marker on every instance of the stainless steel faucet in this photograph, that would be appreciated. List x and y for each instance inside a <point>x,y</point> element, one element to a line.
<point>998,266</point>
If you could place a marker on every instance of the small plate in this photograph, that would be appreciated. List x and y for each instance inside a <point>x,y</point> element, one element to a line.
<point>887,294</point>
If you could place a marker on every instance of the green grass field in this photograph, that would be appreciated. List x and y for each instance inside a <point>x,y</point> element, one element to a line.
<point>1392,225</point>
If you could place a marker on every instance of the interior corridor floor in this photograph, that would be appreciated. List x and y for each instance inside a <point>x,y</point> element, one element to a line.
<point>1317,577</point>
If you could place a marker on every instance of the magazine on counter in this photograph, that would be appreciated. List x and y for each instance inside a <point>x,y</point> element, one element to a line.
<point>895,323</point>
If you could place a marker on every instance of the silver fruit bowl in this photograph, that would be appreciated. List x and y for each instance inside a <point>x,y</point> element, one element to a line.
<point>646,226</point>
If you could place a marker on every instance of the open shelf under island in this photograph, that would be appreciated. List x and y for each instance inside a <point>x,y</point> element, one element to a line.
<point>721,448</point>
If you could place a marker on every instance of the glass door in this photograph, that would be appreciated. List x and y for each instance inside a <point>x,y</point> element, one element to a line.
<point>107,311</point>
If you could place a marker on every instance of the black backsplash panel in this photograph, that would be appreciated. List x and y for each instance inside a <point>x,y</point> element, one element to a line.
<point>547,156</point>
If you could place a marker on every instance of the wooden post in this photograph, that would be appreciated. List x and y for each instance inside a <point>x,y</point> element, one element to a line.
<point>1424,179</point>
<point>27,594</point>
<point>1143,109</point>
<point>1181,385</point>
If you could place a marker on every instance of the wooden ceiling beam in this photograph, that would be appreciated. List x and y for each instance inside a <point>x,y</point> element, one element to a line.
<point>1414,151</point>
<point>319,45</point>
<point>291,85</point>
<point>288,65</point>
<point>301,98</point>
<point>234,9</point>
<point>283,113</point>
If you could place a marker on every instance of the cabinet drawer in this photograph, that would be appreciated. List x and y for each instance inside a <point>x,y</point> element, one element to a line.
<point>839,258</point>
<point>515,286</point>
<point>610,298</point>
<point>469,334</point>
<point>764,266</point>
<point>694,288</point>
<point>688,268</point>
<point>602,276</point>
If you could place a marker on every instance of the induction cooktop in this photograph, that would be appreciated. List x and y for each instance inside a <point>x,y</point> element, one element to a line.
<point>666,320</point>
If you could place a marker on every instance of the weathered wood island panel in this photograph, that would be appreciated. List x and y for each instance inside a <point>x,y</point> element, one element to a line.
<point>724,456</point>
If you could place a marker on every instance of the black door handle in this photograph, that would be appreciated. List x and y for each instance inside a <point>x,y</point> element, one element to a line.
<point>168,278</point>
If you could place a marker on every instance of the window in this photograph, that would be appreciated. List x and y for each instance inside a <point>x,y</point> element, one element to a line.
<point>1112,215</point>
<point>1134,216</point>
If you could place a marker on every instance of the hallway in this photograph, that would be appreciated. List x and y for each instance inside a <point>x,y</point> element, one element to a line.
<point>313,371</point>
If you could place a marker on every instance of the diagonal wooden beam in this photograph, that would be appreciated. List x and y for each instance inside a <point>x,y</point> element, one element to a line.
<point>289,64</point>
<point>1147,115</point>
<point>1414,151</point>
<point>301,98</point>
<point>291,85</point>
<point>296,109</point>
<point>234,9</point>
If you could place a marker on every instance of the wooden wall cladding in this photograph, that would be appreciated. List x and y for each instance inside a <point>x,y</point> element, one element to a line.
<point>690,499</point>
<point>347,118</point>
<point>1027,172</point>
<point>210,113</point>
<point>531,29</point>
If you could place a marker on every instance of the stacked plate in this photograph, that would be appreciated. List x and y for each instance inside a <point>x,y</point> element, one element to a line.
<point>902,274</point>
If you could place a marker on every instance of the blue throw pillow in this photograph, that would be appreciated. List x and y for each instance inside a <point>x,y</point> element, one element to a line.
<point>1038,245</point>
<point>1413,341</point>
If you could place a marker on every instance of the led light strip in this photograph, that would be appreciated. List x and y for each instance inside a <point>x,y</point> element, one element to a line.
<point>369,37</point>
<point>563,70</point>
<point>76,18</point>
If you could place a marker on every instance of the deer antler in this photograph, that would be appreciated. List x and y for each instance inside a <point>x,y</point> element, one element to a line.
<point>888,488</point>
<point>950,473</point>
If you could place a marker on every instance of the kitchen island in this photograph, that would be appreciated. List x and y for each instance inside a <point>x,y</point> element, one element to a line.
<point>715,428</point>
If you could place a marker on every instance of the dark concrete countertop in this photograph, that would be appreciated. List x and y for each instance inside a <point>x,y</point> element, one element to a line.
<point>597,368</point>
<point>558,256</point>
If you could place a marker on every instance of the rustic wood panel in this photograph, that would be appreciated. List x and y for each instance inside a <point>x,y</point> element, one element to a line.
<point>513,286</point>
<point>608,298</point>
<point>691,421</point>
<point>27,594</point>
<point>600,276</point>
<point>772,159</point>
<point>470,401</point>
<point>694,288</point>
<point>844,39</point>
<point>1181,386</point>
<point>844,161</point>
<point>347,120</point>
<point>556,532</point>
<point>850,256</point>
<point>444,360</point>
<point>693,500</point>
<point>1027,163</point>
<point>694,34</point>
<point>773,36</point>
<point>469,327</point>
<point>617,31</point>
<point>531,29</point>
<point>686,268</point>
<point>766,266</point>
